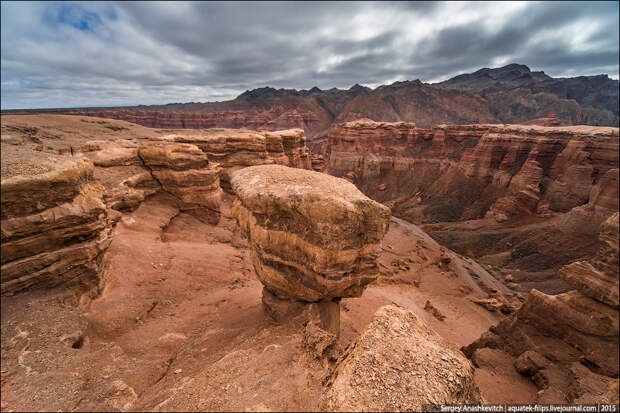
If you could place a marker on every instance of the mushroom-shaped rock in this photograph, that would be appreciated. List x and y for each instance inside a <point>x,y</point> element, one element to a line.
<point>313,237</point>
<point>398,363</point>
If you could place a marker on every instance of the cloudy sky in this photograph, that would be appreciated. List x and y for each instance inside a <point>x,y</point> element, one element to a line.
<point>89,54</point>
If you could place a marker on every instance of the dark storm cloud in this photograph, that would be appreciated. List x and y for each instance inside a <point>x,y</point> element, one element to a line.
<point>76,54</point>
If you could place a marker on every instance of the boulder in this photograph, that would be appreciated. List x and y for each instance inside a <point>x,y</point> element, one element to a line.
<point>398,363</point>
<point>312,236</point>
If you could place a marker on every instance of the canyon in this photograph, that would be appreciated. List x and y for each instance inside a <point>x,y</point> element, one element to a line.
<point>509,94</point>
<point>239,269</point>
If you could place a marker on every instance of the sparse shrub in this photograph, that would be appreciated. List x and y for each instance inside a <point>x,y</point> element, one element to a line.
<point>116,128</point>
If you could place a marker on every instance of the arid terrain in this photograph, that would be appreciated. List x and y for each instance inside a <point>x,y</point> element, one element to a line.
<point>384,266</point>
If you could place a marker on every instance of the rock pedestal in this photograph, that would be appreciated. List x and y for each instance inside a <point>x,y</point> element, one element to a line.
<point>313,237</point>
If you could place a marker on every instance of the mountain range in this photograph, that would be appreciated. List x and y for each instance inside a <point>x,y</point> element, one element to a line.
<point>510,94</point>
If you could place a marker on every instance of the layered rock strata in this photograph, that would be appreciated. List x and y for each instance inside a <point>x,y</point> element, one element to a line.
<point>273,120</point>
<point>398,363</point>
<point>549,334</point>
<point>184,171</point>
<point>506,169</point>
<point>501,175</point>
<point>236,149</point>
<point>313,237</point>
<point>55,228</point>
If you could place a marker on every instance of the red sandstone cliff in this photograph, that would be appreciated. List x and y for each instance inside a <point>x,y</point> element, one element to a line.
<point>504,176</point>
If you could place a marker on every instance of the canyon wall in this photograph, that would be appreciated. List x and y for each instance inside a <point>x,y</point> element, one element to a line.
<point>273,119</point>
<point>486,175</point>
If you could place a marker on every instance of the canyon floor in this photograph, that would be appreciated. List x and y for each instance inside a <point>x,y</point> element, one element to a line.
<point>177,321</point>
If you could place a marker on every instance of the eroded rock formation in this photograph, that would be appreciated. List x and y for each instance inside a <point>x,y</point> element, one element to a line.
<point>236,149</point>
<point>398,363</point>
<point>313,237</point>
<point>502,173</point>
<point>552,335</point>
<point>476,165</point>
<point>184,171</point>
<point>54,228</point>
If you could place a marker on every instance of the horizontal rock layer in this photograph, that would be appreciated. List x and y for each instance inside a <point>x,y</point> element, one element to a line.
<point>312,236</point>
<point>398,363</point>
<point>54,228</point>
<point>236,149</point>
<point>502,176</point>
<point>465,172</point>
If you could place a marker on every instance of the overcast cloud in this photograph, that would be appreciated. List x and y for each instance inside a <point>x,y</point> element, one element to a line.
<point>89,54</point>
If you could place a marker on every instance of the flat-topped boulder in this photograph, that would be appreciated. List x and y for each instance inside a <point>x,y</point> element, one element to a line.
<point>313,237</point>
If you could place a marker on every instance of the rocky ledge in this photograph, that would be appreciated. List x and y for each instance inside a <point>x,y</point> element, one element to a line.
<point>55,228</point>
<point>236,149</point>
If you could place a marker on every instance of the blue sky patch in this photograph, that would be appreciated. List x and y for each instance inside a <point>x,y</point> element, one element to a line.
<point>74,15</point>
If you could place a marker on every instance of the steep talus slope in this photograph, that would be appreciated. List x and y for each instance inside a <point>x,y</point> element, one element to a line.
<point>510,94</point>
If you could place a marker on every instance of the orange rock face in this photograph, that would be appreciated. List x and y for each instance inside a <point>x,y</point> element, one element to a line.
<point>506,171</point>
<point>313,237</point>
<point>236,149</point>
<point>55,228</point>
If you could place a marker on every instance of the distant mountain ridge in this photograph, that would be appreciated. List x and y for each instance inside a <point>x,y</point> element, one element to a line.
<point>509,94</point>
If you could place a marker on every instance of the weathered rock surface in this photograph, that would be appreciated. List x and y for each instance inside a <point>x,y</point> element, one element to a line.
<point>498,175</point>
<point>313,237</point>
<point>398,363</point>
<point>54,228</point>
<point>237,149</point>
<point>184,171</point>
<point>506,168</point>
<point>580,326</point>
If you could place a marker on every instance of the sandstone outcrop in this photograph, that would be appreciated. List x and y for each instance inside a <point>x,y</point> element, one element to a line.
<point>398,363</point>
<point>580,326</point>
<point>55,228</point>
<point>477,165</point>
<point>236,149</point>
<point>184,171</point>
<point>313,237</point>
<point>501,173</point>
